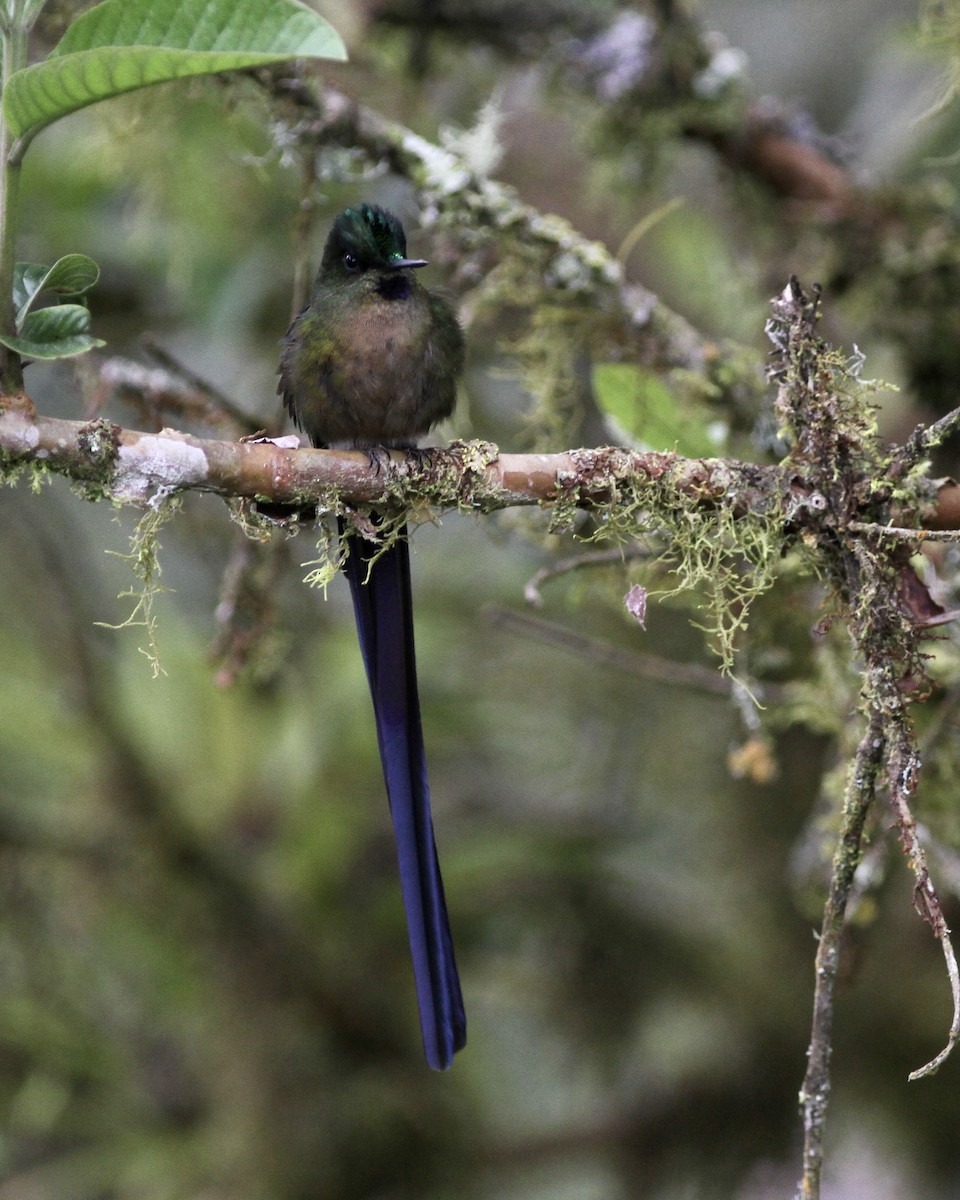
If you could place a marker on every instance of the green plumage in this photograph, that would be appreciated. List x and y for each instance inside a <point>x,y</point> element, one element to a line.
<point>373,358</point>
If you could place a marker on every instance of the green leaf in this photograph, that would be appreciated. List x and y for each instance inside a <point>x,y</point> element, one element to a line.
<point>57,332</point>
<point>121,45</point>
<point>72,275</point>
<point>649,412</point>
<point>27,279</point>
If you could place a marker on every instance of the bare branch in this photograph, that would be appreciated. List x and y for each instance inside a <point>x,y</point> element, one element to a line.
<point>577,562</point>
<point>644,666</point>
<point>926,437</point>
<point>219,401</point>
<point>898,533</point>
<point>904,773</point>
<point>815,1093</point>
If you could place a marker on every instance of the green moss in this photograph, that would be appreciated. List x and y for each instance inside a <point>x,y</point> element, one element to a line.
<point>323,569</point>
<point>98,443</point>
<point>722,556</point>
<point>12,471</point>
<point>144,561</point>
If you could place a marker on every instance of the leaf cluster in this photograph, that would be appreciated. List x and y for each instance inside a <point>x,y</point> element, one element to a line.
<point>59,330</point>
<point>115,47</point>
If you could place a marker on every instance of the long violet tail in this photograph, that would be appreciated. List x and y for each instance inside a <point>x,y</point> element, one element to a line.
<point>382,603</point>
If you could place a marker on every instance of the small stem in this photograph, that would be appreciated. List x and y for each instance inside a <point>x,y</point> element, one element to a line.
<point>924,438</point>
<point>904,771</point>
<point>644,666</point>
<point>900,533</point>
<point>14,57</point>
<point>815,1093</point>
<point>590,558</point>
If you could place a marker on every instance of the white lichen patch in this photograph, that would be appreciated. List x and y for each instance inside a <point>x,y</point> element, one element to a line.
<point>157,464</point>
<point>442,171</point>
<point>20,436</point>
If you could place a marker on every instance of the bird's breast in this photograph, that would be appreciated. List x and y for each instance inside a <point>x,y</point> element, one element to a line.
<point>370,370</point>
<point>382,375</point>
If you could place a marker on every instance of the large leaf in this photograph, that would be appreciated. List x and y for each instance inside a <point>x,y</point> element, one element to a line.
<point>72,275</point>
<point>121,45</point>
<point>57,332</point>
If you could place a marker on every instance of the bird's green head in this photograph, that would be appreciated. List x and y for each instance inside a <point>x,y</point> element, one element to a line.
<point>362,239</point>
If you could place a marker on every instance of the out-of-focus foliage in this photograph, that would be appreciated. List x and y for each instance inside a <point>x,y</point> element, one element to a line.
<point>205,984</point>
<point>648,412</point>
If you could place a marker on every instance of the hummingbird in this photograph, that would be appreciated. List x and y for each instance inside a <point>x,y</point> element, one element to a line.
<point>373,361</point>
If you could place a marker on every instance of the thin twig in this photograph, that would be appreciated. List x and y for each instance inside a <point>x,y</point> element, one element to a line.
<point>196,382</point>
<point>591,558</point>
<point>815,1093</point>
<point>902,534</point>
<point>645,666</point>
<point>926,437</point>
<point>953,975</point>
<point>904,769</point>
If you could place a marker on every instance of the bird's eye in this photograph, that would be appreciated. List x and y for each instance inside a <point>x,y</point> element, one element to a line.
<point>350,262</point>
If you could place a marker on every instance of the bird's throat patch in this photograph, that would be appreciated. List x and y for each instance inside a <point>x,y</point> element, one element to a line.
<point>395,286</point>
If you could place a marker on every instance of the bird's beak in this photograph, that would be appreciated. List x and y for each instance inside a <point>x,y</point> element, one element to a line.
<point>398,264</point>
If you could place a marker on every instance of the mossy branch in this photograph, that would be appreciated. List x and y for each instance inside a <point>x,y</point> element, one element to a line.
<point>857,487</point>
<point>129,466</point>
<point>134,467</point>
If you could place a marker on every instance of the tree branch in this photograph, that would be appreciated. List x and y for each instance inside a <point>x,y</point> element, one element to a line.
<point>144,468</point>
<point>140,468</point>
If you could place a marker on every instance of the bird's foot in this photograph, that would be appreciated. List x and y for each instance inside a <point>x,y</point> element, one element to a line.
<point>422,457</point>
<point>378,457</point>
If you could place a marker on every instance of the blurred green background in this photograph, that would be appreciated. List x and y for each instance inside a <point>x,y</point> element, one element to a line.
<point>205,989</point>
